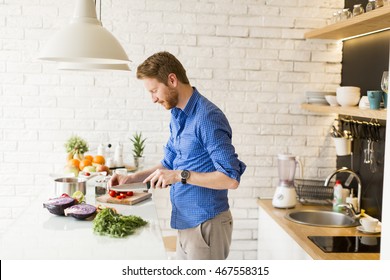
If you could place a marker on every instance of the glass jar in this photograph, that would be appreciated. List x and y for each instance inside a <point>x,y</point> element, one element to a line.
<point>378,3</point>
<point>357,10</point>
<point>370,5</point>
<point>345,14</point>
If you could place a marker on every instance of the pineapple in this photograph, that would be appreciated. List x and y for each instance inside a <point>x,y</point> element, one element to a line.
<point>76,147</point>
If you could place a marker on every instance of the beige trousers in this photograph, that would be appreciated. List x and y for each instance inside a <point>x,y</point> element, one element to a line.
<point>208,241</point>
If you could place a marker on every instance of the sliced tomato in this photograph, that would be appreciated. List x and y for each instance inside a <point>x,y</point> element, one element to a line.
<point>112,193</point>
<point>130,193</point>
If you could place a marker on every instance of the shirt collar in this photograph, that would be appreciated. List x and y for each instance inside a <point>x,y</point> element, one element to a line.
<point>190,106</point>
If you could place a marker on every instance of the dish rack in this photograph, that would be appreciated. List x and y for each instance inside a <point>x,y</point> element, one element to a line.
<point>313,192</point>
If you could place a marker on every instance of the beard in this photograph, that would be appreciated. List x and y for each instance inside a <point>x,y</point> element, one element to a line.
<point>171,99</point>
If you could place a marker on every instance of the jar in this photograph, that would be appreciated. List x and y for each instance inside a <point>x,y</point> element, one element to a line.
<point>370,5</point>
<point>357,10</point>
<point>345,14</point>
<point>378,3</point>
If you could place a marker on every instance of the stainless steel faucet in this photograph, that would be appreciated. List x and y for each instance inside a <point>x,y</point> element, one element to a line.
<point>347,170</point>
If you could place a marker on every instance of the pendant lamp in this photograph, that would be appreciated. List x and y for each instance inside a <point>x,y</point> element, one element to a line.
<point>84,40</point>
<point>72,66</point>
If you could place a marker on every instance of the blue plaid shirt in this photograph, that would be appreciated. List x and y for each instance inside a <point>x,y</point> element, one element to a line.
<point>200,141</point>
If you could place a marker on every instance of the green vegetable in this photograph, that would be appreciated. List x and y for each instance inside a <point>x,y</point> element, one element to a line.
<point>107,222</point>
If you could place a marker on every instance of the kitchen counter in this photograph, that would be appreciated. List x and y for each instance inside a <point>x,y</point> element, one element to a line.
<point>299,233</point>
<point>38,234</point>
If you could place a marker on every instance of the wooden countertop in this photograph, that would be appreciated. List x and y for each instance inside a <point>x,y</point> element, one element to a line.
<point>300,233</point>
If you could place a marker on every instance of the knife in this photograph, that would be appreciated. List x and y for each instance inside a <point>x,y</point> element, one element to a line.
<point>131,187</point>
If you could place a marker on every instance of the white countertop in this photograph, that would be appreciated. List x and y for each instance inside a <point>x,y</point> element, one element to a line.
<point>38,234</point>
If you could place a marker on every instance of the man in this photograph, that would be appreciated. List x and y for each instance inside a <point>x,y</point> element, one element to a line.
<point>200,163</point>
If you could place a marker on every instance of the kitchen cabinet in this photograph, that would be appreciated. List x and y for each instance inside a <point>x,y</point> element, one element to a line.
<point>372,21</point>
<point>348,111</point>
<point>274,243</point>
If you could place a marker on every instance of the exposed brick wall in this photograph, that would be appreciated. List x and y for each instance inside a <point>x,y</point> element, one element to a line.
<point>247,56</point>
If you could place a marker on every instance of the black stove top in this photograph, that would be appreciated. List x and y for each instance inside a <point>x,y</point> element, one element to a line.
<point>347,244</point>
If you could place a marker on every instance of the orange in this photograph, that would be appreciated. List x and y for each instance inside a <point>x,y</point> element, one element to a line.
<point>84,163</point>
<point>99,160</point>
<point>74,162</point>
<point>89,157</point>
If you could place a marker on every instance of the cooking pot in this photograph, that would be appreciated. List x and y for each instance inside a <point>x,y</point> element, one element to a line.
<point>70,185</point>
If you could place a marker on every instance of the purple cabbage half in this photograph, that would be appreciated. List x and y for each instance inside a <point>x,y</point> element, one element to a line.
<point>80,211</point>
<point>57,205</point>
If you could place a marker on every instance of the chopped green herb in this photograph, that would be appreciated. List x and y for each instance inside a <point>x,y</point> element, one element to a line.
<point>107,222</point>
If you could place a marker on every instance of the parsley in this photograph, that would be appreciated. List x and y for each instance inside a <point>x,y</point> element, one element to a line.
<point>108,222</point>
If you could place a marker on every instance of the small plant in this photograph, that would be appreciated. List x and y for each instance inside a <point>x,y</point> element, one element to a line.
<point>76,147</point>
<point>138,144</point>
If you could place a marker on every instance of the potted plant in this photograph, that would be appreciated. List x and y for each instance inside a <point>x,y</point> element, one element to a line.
<point>138,149</point>
<point>76,147</point>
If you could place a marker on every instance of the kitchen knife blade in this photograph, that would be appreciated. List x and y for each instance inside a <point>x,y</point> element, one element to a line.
<point>131,187</point>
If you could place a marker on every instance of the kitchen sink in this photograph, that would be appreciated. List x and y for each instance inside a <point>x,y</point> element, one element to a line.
<point>322,218</point>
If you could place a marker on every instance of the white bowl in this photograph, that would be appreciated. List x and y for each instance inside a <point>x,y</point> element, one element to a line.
<point>332,100</point>
<point>348,96</point>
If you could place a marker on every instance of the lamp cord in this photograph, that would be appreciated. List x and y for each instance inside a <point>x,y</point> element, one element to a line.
<point>100,9</point>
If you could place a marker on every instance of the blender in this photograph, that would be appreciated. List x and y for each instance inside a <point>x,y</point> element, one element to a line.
<point>285,195</point>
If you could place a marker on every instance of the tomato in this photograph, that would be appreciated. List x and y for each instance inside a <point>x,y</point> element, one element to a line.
<point>129,193</point>
<point>112,193</point>
<point>121,196</point>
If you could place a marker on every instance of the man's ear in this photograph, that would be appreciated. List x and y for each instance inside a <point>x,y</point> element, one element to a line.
<point>172,80</point>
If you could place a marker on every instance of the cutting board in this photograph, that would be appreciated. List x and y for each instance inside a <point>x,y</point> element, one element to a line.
<point>130,200</point>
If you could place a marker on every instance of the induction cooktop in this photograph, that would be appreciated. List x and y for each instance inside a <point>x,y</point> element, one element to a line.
<point>347,244</point>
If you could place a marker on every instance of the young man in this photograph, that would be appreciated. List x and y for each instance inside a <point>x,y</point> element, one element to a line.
<point>200,163</point>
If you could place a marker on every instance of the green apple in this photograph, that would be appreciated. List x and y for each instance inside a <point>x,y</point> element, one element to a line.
<point>89,169</point>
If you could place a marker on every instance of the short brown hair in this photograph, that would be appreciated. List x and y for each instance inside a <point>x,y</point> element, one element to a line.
<point>159,66</point>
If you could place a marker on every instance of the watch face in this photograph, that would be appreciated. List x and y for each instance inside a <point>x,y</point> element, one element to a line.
<point>185,174</point>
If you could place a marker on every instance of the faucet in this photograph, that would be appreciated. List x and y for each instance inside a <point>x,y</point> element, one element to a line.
<point>347,170</point>
<point>350,209</point>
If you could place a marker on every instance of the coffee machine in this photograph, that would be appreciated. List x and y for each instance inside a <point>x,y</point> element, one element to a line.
<point>285,195</point>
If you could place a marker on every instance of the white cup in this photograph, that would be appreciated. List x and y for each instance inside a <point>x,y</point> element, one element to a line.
<point>369,224</point>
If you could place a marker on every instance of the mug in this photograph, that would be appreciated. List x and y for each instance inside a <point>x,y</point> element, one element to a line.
<point>375,98</point>
<point>369,224</point>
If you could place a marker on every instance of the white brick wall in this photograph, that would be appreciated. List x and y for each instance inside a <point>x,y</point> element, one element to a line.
<point>247,56</point>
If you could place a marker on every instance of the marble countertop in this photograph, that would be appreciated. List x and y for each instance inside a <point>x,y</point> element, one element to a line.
<point>38,234</point>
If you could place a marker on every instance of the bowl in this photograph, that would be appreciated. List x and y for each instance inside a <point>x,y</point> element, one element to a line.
<point>332,100</point>
<point>348,96</point>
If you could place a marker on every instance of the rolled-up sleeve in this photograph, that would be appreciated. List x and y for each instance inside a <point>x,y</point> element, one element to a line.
<point>216,135</point>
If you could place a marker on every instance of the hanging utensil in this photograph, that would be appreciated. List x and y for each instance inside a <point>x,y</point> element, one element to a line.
<point>373,164</point>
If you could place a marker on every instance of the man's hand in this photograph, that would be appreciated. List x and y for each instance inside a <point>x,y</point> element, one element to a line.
<point>162,178</point>
<point>118,179</point>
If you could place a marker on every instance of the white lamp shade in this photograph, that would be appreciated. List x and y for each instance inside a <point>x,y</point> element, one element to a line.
<point>91,67</point>
<point>84,40</point>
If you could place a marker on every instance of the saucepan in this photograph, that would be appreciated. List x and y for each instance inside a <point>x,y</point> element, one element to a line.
<point>69,185</point>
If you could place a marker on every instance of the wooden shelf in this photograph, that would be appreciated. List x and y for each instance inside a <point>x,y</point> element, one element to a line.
<point>349,111</point>
<point>371,21</point>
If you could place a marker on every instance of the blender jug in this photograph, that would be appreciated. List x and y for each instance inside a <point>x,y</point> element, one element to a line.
<point>285,195</point>
<point>286,167</point>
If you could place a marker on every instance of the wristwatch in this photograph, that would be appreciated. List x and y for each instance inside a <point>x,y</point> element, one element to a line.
<point>185,174</point>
